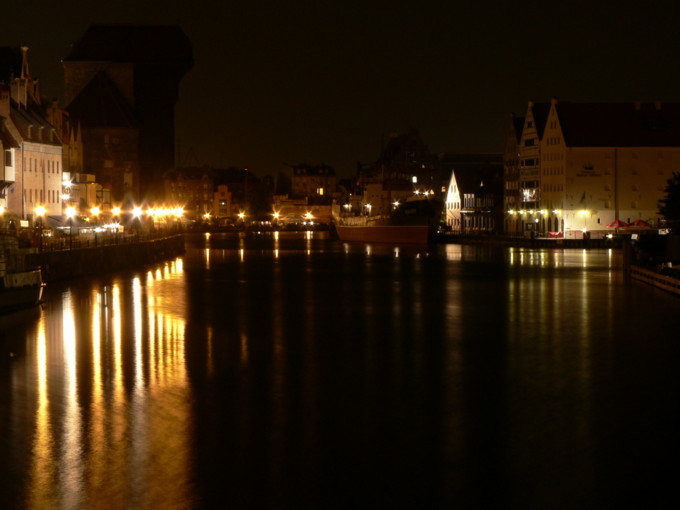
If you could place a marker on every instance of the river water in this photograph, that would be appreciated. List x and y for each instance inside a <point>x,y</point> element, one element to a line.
<point>294,371</point>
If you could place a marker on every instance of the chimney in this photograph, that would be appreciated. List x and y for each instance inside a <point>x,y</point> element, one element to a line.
<point>657,105</point>
<point>637,105</point>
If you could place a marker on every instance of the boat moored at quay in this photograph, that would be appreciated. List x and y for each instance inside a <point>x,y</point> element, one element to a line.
<point>415,221</point>
<point>20,286</point>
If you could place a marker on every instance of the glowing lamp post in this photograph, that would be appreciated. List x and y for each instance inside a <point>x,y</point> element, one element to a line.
<point>136,215</point>
<point>70,213</point>
<point>95,212</point>
<point>40,212</point>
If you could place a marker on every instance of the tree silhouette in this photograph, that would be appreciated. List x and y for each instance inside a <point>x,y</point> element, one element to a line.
<point>669,206</point>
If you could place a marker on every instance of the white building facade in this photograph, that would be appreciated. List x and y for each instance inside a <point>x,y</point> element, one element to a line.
<point>598,163</point>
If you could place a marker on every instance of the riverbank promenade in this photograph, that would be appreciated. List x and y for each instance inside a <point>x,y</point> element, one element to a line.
<point>63,259</point>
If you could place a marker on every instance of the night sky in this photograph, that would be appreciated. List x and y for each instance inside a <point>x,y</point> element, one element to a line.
<point>306,81</point>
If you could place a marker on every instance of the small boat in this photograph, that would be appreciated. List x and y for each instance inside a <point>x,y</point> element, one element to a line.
<point>20,287</point>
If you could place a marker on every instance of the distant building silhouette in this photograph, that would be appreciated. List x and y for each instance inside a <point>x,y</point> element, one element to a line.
<point>121,84</point>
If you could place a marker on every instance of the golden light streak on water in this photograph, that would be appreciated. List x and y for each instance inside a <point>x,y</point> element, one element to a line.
<point>455,252</point>
<point>210,362</point>
<point>117,324</point>
<point>42,490</point>
<point>138,332</point>
<point>97,432</point>
<point>72,469</point>
<point>308,241</point>
<point>244,348</point>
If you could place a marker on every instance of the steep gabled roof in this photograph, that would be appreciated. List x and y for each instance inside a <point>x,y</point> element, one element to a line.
<point>133,43</point>
<point>32,125</point>
<point>620,124</point>
<point>6,138</point>
<point>478,181</point>
<point>101,104</point>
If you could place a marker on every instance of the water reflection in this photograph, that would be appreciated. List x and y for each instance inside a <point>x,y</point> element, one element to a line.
<point>96,432</point>
<point>281,371</point>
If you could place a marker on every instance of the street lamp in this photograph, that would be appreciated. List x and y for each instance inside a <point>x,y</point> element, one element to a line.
<point>40,212</point>
<point>70,213</point>
<point>95,212</point>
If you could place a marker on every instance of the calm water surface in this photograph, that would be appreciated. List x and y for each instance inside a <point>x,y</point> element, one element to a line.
<point>294,371</point>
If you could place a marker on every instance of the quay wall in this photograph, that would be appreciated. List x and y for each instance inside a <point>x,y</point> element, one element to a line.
<point>656,279</point>
<point>500,240</point>
<point>66,264</point>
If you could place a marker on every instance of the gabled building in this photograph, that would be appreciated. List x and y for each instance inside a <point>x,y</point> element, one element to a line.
<point>32,149</point>
<point>600,162</point>
<point>110,137</point>
<point>512,200</point>
<point>221,209</point>
<point>473,200</point>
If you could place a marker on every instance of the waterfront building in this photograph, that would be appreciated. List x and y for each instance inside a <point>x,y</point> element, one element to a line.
<point>31,176</point>
<point>294,210</point>
<point>585,165</point>
<point>512,200</point>
<point>473,198</point>
<point>121,86</point>
<point>221,209</point>
<point>193,188</point>
<point>313,181</point>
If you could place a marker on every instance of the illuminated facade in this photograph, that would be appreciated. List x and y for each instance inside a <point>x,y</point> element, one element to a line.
<point>585,165</point>
<point>221,209</point>
<point>32,150</point>
<point>472,199</point>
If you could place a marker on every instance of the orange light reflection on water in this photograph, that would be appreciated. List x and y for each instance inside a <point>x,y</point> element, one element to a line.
<point>99,365</point>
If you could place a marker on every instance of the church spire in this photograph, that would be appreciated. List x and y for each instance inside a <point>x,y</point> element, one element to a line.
<point>24,63</point>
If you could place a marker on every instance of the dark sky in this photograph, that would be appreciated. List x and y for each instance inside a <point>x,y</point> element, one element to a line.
<point>307,81</point>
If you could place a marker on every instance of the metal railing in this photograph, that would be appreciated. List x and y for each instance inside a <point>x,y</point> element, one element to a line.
<point>32,238</point>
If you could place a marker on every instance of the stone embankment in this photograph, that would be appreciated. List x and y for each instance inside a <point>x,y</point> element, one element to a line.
<point>667,282</point>
<point>87,261</point>
<point>538,242</point>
